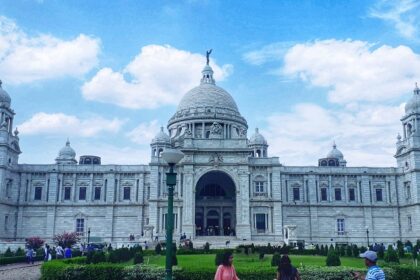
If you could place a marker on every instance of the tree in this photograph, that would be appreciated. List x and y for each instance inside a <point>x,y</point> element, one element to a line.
<point>381,252</point>
<point>391,256</point>
<point>275,260</point>
<point>190,245</point>
<point>356,251</point>
<point>34,242</point>
<point>415,254</point>
<point>207,248</point>
<point>158,249</point>
<point>333,259</point>
<point>8,253</point>
<point>342,251</point>
<point>66,239</point>
<point>317,250</point>
<point>400,249</point>
<point>349,252</point>
<point>322,250</point>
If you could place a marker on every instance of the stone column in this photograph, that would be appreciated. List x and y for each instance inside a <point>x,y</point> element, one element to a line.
<point>189,199</point>
<point>243,227</point>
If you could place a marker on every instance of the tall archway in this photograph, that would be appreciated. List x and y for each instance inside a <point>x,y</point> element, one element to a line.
<point>215,205</point>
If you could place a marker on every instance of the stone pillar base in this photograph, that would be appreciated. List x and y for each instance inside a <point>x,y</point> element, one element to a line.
<point>243,232</point>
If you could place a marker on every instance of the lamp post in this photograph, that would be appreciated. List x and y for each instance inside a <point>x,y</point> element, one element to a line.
<point>88,241</point>
<point>172,157</point>
<point>367,234</point>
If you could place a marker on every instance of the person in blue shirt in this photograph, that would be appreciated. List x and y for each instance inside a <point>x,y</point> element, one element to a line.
<point>374,272</point>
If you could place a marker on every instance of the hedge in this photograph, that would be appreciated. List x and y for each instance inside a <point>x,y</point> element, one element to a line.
<point>59,270</point>
<point>19,259</point>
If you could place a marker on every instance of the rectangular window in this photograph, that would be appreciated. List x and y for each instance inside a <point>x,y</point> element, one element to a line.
<point>410,225</point>
<point>296,194</point>
<point>127,193</point>
<point>340,226</point>
<point>38,193</point>
<point>67,193</point>
<point>260,222</point>
<point>80,226</point>
<point>82,193</point>
<point>6,222</point>
<point>324,196</point>
<point>97,193</point>
<point>337,193</point>
<point>352,195</point>
<point>259,187</point>
<point>408,191</point>
<point>379,195</point>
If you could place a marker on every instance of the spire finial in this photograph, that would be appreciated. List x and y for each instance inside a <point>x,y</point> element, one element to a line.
<point>334,145</point>
<point>161,128</point>
<point>208,55</point>
<point>256,130</point>
<point>68,142</point>
<point>1,83</point>
<point>416,89</point>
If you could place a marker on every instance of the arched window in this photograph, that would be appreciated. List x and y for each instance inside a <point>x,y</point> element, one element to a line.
<point>258,152</point>
<point>207,134</point>
<point>409,129</point>
<point>324,163</point>
<point>160,152</point>
<point>331,162</point>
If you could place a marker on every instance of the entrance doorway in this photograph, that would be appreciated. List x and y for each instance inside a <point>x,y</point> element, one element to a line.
<point>215,206</point>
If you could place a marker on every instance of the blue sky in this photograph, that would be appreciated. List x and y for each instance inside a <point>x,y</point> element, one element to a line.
<point>107,74</point>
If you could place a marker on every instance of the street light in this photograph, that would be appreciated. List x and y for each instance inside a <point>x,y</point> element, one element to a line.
<point>367,234</point>
<point>172,157</point>
<point>88,236</point>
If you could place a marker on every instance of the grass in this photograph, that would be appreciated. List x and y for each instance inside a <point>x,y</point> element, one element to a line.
<point>242,260</point>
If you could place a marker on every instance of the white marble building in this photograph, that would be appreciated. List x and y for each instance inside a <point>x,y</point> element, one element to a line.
<point>227,185</point>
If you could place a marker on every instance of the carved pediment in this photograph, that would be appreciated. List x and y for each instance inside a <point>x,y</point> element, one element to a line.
<point>83,183</point>
<point>98,183</point>
<point>127,184</point>
<point>38,184</point>
<point>68,183</point>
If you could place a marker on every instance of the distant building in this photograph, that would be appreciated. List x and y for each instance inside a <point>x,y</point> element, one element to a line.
<point>227,185</point>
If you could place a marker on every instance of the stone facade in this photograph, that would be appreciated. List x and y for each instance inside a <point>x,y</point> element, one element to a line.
<point>226,185</point>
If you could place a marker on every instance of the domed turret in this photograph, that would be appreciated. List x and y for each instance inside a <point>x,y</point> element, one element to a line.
<point>334,158</point>
<point>413,105</point>
<point>66,155</point>
<point>159,143</point>
<point>257,139</point>
<point>4,97</point>
<point>161,137</point>
<point>259,145</point>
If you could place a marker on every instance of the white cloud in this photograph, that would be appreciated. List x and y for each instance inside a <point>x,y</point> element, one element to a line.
<point>25,58</point>
<point>354,70</point>
<point>366,134</point>
<point>67,125</point>
<point>271,52</point>
<point>144,132</point>
<point>402,14</point>
<point>158,76</point>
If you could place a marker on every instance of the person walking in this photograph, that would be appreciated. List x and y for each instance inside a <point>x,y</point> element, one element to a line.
<point>286,271</point>
<point>67,252</point>
<point>30,255</point>
<point>59,252</point>
<point>374,272</point>
<point>226,271</point>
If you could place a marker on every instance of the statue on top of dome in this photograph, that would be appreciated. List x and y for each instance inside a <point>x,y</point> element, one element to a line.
<point>208,55</point>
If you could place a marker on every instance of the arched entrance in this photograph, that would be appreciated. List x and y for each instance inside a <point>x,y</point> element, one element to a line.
<point>215,205</point>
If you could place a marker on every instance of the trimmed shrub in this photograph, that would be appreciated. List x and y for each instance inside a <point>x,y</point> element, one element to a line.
<point>138,258</point>
<point>19,252</point>
<point>275,260</point>
<point>333,259</point>
<point>218,259</point>
<point>400,249</point>
<point>381,252</point>
<point>363,249</point>
<point>95,257</point>
<point>207,247</point>
<point>356,251</point>
<point>349,252</point>
<point>8,253</point>
<point>158,249</point>
<point>18,259</point>
<point>317,250</point>
<point>391,256</point>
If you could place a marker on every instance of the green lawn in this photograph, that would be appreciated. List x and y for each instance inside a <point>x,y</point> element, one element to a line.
<point>242,260</point>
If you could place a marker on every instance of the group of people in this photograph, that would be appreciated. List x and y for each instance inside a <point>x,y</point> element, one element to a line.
<point>286,271</point>
<point>60,253</point>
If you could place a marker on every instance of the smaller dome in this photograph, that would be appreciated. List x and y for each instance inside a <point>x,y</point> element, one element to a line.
<point>4,96</point>
<point>335,153</point>
<point>413,105</point>
<point>257,139</point>
<point>161,137</point>
<point>66,154</point>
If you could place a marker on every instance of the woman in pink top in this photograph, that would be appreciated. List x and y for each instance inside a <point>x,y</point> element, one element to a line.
<point>226,271</point>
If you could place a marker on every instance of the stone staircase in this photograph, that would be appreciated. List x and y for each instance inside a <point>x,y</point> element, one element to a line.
<point>222,242</point>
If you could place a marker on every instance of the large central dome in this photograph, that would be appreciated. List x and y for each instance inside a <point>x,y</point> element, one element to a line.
<point>207,95</point>
<point>207,101</point>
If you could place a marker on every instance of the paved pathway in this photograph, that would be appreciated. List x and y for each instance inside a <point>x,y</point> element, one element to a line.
<point>20,271</point>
